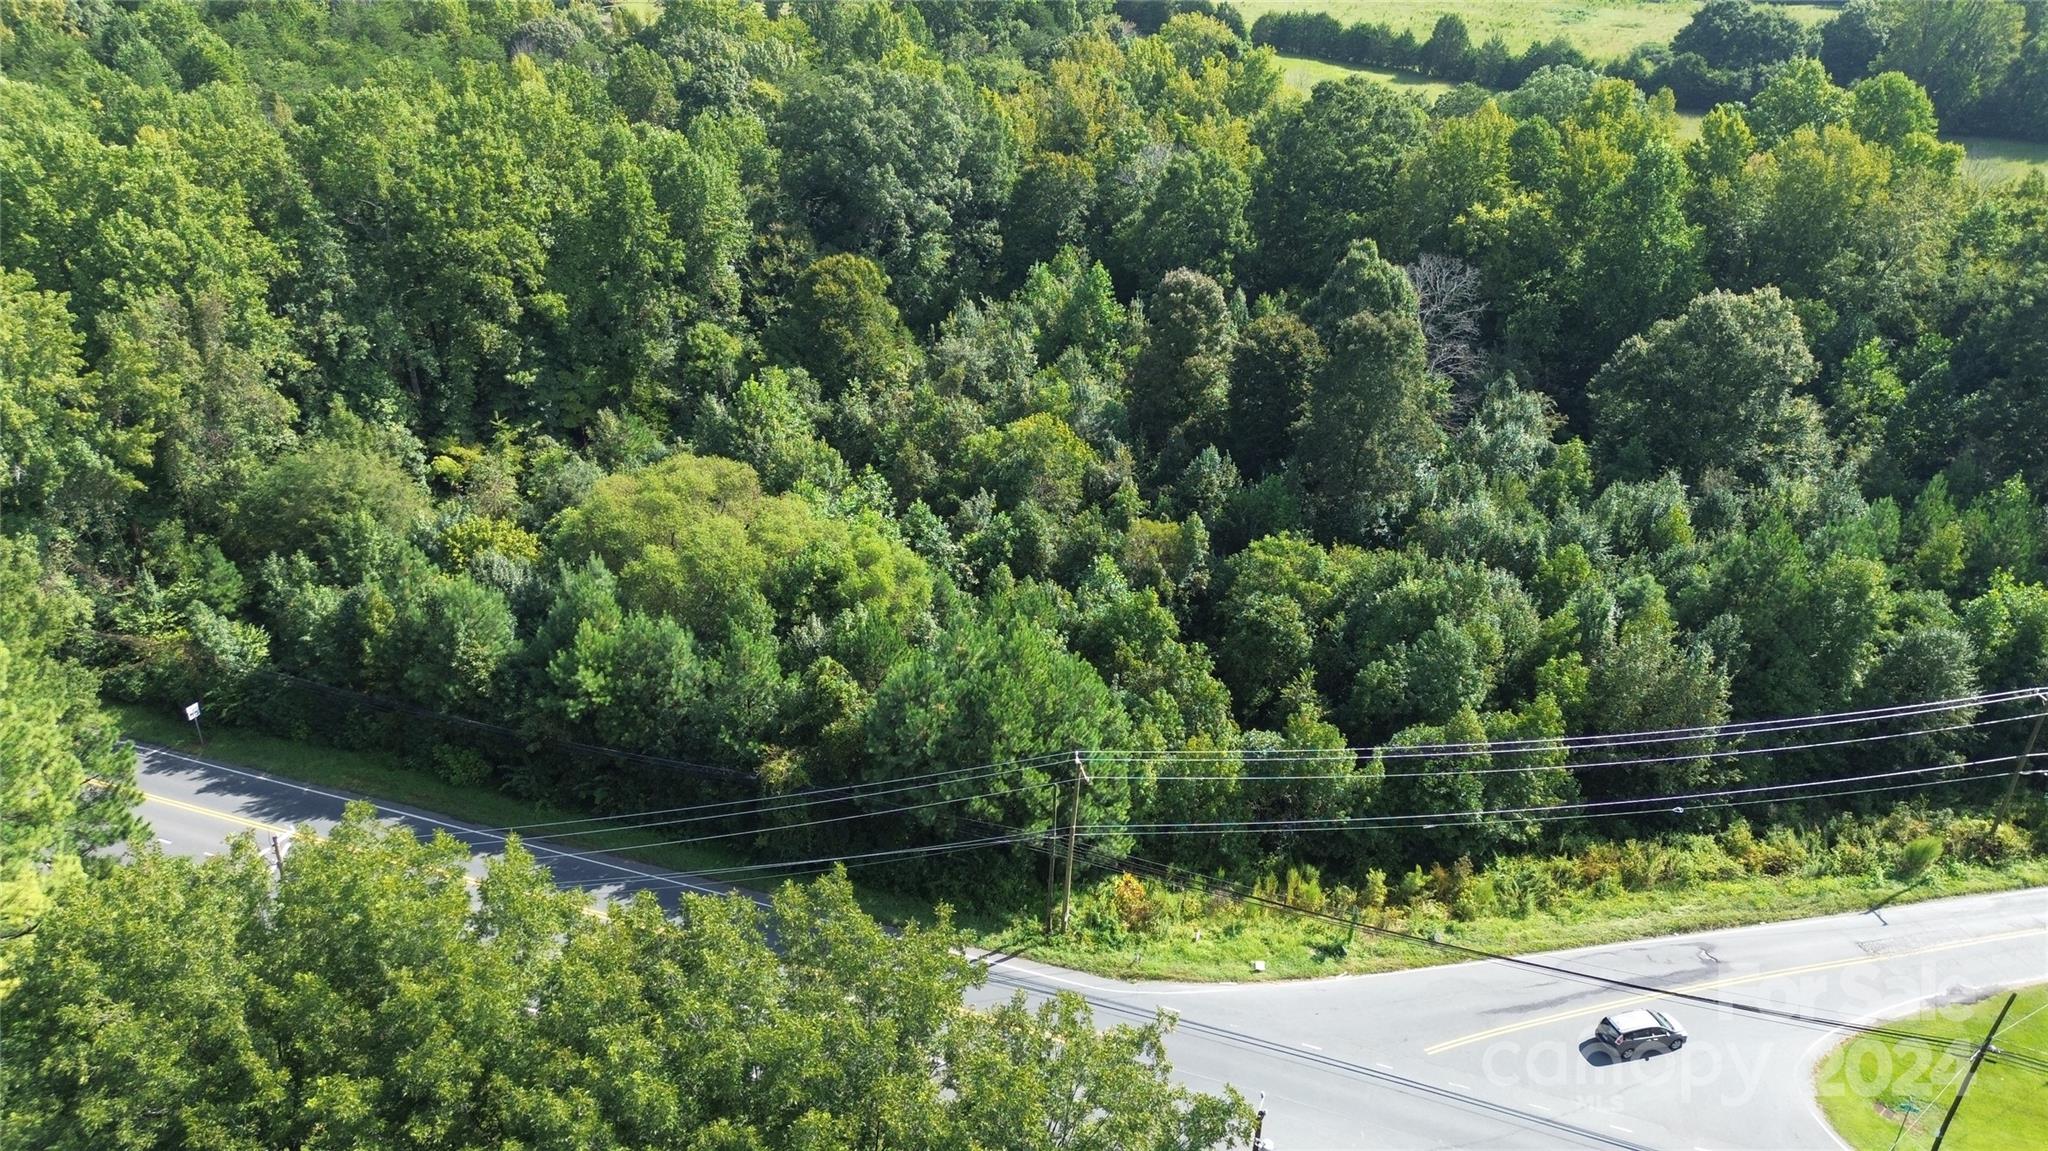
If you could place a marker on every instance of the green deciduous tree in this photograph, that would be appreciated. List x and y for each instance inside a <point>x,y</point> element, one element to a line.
<point>1738,34</point>
<point>1372,418</point>
<point>993,687</point>
<point>1180,379</point>
<point>1956,49</point>
<point>1192,216</point>
<point>1272,371</point>
<point>908,167</point>
<point>1330,176</point>
<point>1718,387</point>
<point>841,327</point>
<point>67,785</point>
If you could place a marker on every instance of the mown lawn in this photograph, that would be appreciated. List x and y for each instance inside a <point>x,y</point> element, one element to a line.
<point>1880,1094</point>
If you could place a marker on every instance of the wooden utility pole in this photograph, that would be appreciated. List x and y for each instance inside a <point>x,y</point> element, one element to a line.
<point>1073,828</point>
<point>2019,767</point>
<point>1974,1061</point>
<point>1052,869</point>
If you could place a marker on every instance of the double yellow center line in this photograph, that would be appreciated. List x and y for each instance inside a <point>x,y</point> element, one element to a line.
<point>227,816</point>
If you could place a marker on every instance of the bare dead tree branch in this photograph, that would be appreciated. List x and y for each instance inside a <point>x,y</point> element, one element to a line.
<point>1447,289</point>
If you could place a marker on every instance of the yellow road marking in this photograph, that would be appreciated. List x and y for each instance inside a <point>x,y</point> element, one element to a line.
<point>1733,980</point>
<point>229,816</point>
<point>259,825</point>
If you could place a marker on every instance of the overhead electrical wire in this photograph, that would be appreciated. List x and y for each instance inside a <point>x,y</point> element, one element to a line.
<point>1648,803</point>
<point>1175,877</point>
<point>890,809</point>
<point>1467,819</point>
<point>1537,744</point>
<point>792,799</point>
<point>1639,805</point>
<point>1529,769</point>
<point>897,785</point>
<point>1464,1099</point>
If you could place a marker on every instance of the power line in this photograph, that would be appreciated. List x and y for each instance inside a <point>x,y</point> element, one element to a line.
<point>1180,879</point>
<point>729,809</point>
<point>802,798</point>
<point>1733,753</point>
<point>1358,1070</point>
<point>1466,820</point>
<point>788,868</point>
<point>1536,744</point>
<point>899,785</point>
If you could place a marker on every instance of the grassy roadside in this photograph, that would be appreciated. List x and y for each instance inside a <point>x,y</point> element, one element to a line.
<point>1296,947</point>
<point>1204,943</point>
<point>1879,1094</point>
<point>381,775</point>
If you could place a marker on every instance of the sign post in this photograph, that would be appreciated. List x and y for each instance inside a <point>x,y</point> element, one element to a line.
<point>192,713</point>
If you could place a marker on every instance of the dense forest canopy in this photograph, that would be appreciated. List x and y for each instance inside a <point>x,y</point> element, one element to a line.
<point>618,403</point>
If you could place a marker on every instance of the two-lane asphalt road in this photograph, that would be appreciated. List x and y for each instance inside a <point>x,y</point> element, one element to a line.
<point>1470,1055</point>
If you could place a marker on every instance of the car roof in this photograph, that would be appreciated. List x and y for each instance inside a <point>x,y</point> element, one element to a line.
<point>1634,1020</point>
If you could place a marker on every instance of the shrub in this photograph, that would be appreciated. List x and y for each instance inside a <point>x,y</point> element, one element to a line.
<point>1461,879</point>
<point>1304,888</point>
<point>1782,852</point>
<point>1643,865</point>
<point>1975,841</point>
<point>460,765</point>
<point>1918,856</point>
<point>1700,858</point>
<point>1373,896</point>
<point>1413,887</point>
<point>1132,902</point>
<point>1477,901</point>
<point>1903,825</point>
<point>1598,862</point>
<point>1521,887</point>
<point>1740,844</point>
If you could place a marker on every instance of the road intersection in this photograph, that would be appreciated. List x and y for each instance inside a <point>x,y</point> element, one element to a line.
<point>1482,1054</point>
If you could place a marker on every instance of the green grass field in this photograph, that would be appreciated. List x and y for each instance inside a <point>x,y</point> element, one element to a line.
<point>1305,74</point>
<point>1881,1094</point>
<point>1993,161</point>
<point>1990,160</point>
<point>1600,28</point>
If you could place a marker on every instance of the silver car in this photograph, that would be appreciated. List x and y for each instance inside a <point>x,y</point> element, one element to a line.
<point>1640,1034</point>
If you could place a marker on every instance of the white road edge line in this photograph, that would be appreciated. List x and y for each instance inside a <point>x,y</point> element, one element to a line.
<point>536,848</point>
<point>1461,1087</point>
<point>1311,1047</point>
